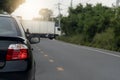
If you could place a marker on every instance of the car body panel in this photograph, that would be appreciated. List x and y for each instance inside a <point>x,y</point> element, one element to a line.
<point>15,69</point>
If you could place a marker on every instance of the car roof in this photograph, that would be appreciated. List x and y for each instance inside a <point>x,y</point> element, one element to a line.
<point>9,16</point>
<point>5,15</point>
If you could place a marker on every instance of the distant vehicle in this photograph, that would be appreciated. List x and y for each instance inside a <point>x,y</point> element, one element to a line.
<point>16,58</point>
<point>45,29</point>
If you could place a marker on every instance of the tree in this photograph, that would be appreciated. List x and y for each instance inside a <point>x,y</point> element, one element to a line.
<point>94,25</point>
<point>10,5</point>
<point>46,14</point>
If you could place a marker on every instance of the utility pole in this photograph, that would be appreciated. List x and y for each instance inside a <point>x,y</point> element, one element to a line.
<point>117,5</point>
<point>71,4</point>
<point>59,14</point>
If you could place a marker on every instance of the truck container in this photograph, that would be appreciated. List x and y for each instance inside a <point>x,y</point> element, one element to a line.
<point>44,29</point>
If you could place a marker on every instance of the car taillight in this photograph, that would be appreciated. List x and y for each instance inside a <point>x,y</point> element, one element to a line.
<point>17,52</point>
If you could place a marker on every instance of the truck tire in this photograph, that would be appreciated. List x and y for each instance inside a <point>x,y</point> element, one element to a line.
<point>51,38</point>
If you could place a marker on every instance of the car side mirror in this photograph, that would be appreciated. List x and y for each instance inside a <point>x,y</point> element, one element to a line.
<point>34,40</point>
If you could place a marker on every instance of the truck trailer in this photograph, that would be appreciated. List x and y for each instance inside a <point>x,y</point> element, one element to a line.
<point>44,29</point>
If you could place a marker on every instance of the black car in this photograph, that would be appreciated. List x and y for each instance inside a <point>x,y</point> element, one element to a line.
<point>16,58</point>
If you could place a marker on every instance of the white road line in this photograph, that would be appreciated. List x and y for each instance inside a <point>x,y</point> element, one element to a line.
<point>46,55</point>
<point>50,60</point>
<point>60,68</point>
<point>115,55</point>
<point>107,53</point>
<point>103,52</point>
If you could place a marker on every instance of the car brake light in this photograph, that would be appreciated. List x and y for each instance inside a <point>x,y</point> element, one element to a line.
<point>17,52</point>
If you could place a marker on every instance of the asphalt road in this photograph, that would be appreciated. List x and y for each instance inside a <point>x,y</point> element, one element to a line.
<point>56,60</point>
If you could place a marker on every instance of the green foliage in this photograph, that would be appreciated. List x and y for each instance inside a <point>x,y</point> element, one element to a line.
<point>76,39</point>
<point>96,26</point>
<point>104,40</point>
<point>117,32</point>
<point>1,11</point>
<point>10,5</point>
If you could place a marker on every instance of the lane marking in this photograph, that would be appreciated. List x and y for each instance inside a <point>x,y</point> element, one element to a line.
<point>50,60</point>
<point>60,68</point>
<point>87,48</point>
<point>115,55</point>
<point>107,53</point>
<point>46,55</point>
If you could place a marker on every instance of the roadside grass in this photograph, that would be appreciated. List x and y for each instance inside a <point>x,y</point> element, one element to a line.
<point>103,40</point>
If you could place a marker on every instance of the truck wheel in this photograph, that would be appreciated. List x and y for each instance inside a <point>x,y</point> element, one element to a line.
<point>51,38</point>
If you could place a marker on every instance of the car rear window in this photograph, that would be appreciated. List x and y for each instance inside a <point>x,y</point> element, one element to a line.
<point>8,27</point>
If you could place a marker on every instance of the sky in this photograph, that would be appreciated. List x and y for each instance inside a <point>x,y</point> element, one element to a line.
<point>31,8</point>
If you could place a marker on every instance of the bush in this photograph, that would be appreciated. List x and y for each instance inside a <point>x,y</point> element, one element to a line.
<point>104,40</point>
<point>95,26</point>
